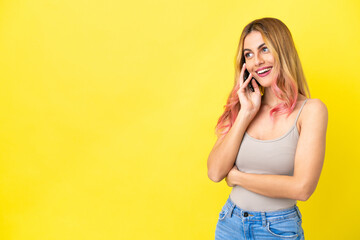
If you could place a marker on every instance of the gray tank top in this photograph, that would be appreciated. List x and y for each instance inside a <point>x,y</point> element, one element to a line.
<point>274,156</point>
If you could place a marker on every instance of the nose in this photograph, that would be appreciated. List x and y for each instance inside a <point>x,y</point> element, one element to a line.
<point>258,60</point>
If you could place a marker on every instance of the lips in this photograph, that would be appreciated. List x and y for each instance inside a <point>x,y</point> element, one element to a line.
<point>262,72</point>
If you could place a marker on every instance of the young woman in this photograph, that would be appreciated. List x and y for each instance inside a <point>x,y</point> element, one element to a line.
<point>271,138</point>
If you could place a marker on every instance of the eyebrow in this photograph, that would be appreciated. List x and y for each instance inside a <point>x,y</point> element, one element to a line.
<point>250,49</point>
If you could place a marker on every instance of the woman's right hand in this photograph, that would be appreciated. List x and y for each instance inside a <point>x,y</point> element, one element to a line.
<point>250,101</point>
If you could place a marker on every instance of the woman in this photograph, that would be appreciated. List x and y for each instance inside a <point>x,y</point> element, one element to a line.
<point>271,138</point>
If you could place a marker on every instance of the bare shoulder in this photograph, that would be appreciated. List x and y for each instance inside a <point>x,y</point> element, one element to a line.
<point>314,113</point>
<point>315,107</point>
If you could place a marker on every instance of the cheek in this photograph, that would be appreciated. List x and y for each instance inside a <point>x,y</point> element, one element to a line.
<point>250,65</point>
<point>272,59</point>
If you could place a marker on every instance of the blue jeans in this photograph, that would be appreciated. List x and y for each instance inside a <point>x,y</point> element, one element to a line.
<point>236,223</point>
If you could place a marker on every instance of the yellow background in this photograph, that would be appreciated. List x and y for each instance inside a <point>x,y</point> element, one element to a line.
<point>108,111</point>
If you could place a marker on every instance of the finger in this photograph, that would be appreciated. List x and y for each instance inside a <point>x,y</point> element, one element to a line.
<point>241,77</point>
<point>256,86</point>
<point>246,83</point>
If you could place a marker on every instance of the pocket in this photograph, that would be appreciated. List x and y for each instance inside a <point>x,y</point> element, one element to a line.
<point>285,229</point>
<point>222,214</point>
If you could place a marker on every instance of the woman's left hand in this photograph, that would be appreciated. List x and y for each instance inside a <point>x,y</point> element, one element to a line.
<point>231,177</point>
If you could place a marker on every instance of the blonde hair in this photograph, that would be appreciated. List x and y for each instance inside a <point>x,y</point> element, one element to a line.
<point>290,80</point>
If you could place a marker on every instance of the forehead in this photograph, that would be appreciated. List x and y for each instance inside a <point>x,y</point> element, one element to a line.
<point>253,40</point>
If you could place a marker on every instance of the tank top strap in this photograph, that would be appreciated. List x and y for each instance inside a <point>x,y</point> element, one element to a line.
<point>300,110</point>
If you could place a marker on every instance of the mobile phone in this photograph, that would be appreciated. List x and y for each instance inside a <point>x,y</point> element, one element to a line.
<point>246,75</point>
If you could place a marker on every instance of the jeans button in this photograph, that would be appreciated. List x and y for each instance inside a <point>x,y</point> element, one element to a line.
<point>246,214</point>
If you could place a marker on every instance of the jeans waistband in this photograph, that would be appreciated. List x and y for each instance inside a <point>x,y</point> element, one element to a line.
<point>230,208</point>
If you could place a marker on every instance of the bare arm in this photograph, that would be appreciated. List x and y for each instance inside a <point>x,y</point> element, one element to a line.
<point>308,164</point>
<point>222,156</point>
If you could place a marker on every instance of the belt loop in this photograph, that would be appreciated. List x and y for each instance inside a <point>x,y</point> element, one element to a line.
<point>231,209</point>
<point>263,219</point>
<point>298,212</point>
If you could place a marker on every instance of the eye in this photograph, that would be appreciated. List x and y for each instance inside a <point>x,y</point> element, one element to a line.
<point>247,55</point>
<point>265,49</point>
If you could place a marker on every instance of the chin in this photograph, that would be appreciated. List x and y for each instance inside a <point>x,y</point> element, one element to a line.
<point>264,84</point>
<point>267,83</point>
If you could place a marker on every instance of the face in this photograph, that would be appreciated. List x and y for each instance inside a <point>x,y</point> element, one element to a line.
<point>258,58</point>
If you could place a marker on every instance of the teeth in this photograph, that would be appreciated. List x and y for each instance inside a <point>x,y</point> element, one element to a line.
<point>264,70</point>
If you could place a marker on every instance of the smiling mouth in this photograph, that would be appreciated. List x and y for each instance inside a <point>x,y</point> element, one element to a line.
<point>264,70</point>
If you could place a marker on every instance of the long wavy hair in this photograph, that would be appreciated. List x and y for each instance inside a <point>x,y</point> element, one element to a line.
<point>290,79</point>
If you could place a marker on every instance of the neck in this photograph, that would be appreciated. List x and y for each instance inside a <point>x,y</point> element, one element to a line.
<point>269,98</point>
